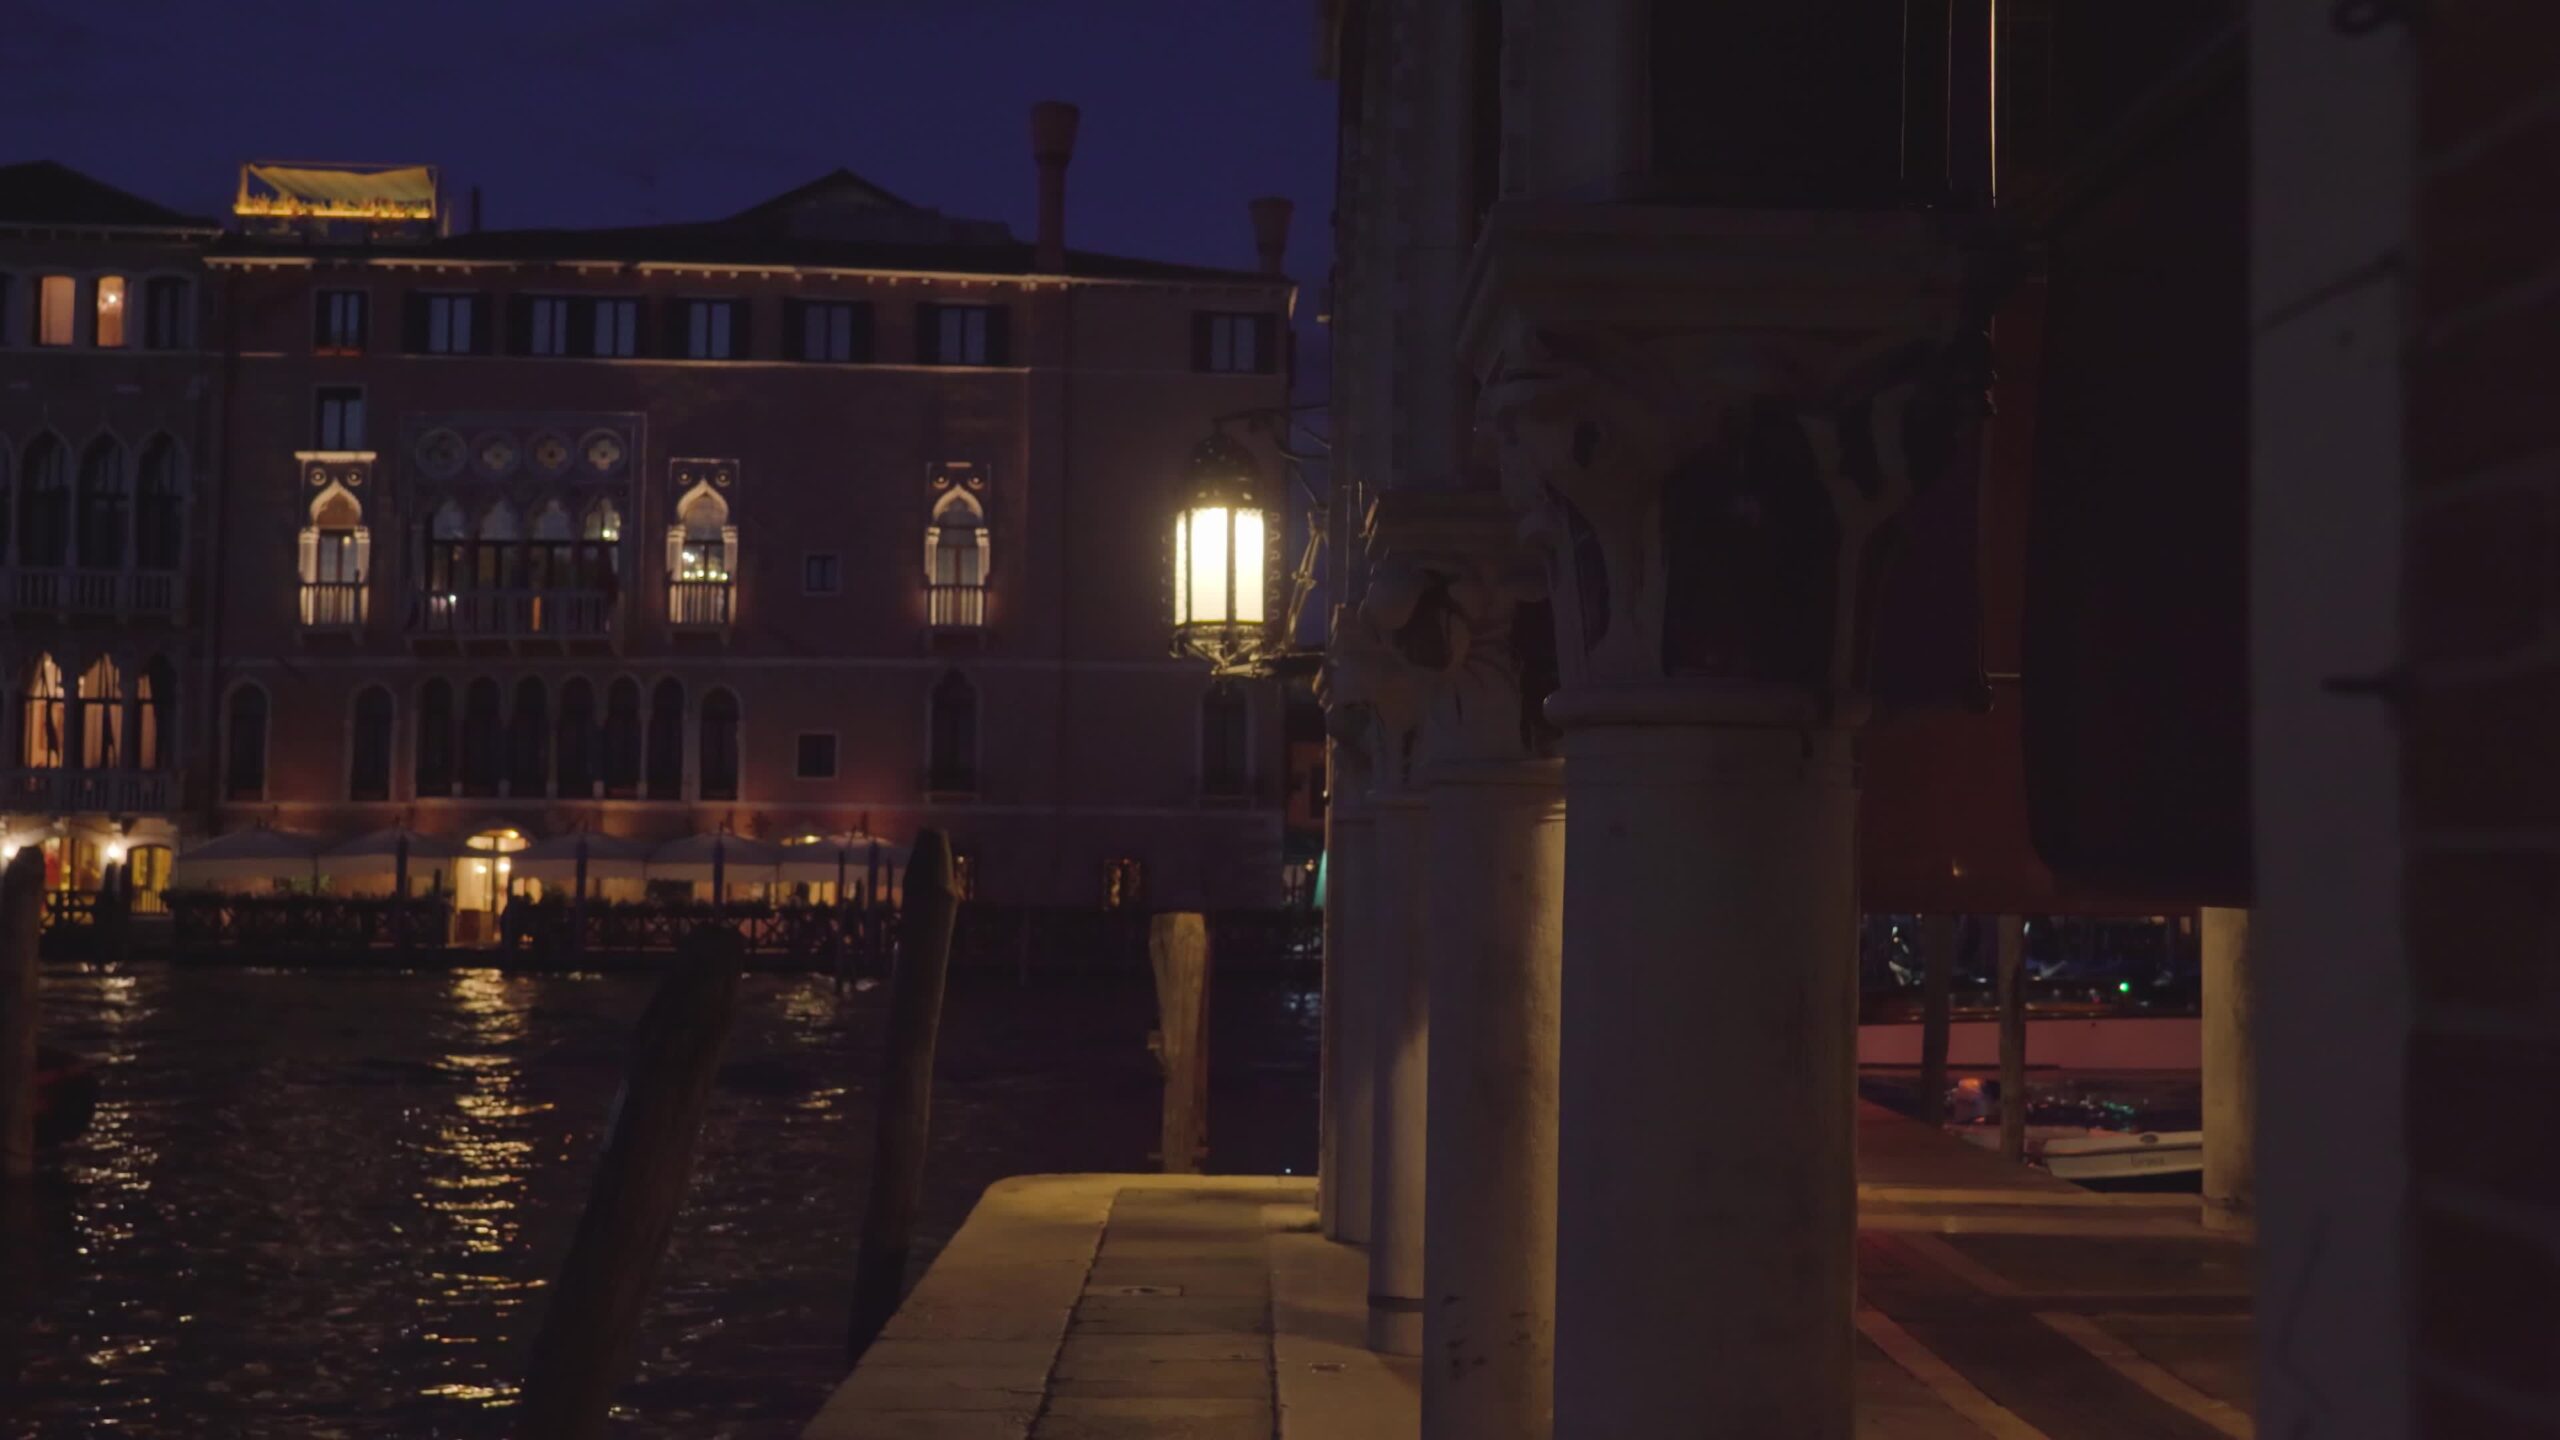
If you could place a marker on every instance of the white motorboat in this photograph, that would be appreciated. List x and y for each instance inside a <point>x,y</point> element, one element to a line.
<point>2102,1157</point>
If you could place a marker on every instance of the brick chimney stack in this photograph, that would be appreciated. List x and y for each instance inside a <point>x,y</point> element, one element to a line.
<point>1271,230</point>
<point>1053,143</point>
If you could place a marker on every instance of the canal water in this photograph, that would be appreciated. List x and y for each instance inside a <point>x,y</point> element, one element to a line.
<point>325,1204</point>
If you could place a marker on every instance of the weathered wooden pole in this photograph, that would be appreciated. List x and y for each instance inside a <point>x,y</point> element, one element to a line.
<point>1938,959</point>
<point>21,930</point>
<point>583,1352</point>
<point>2013,1036</point>
<point>906,1091</point>
<point>114,914</point>
<point>1178,947</point>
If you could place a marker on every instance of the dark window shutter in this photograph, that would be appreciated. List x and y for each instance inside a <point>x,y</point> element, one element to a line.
<point>929,334</point>
<point>363,302</point>
<point>582,327</point>
<point>519,324</point>
<point>795,329</point>
<point>676,315</point>
<point>999,335</point>
<point>483,320</point>
<point>321,303</point>
<point>1201,323</point>
<point>413,322</point>
<point>1266,343</point>
<point>742,333</point>
<point>862,333</point>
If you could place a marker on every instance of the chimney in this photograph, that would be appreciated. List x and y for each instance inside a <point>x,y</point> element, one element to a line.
<point>1271,230</point>
<point>1053,142</point>
<point>475,209</point>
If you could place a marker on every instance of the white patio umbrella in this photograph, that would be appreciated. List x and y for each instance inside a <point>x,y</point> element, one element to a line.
<point>554,861</point>
<point>720,858</point>
<point>391,852</point>
<point>259,854</point>
<point>839,860</point>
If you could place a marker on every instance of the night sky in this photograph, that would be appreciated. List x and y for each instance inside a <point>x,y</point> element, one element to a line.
<point>631,111</point>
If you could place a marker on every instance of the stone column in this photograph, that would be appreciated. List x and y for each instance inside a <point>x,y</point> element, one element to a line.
<point>1712,420</point>
<point>1403,1051</point>
<point>1349,1059</point>
<point>2230,1072</point>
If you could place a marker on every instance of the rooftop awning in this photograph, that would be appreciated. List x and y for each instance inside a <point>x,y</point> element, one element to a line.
<point>412,188</point>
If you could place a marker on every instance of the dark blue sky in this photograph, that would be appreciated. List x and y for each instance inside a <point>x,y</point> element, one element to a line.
<point>589,112</point>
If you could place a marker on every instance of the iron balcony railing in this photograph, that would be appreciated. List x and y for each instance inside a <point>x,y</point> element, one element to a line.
<point>956,607</point>
<point>699,604</point>
<point>513,614</point>
<point>88,792</point>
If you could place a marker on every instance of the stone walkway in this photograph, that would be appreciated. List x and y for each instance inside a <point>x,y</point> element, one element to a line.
<point>1112,1307</point>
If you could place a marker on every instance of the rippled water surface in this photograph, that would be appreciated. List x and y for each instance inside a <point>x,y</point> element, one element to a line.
<point>320,1204</point>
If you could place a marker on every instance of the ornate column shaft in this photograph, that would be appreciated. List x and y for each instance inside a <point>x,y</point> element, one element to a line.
<point>1348,1064</point>
<point>1710,420</point>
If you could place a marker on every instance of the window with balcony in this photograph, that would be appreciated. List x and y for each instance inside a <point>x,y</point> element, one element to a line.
<point>541,325</point>
<point>57,309</point>
<point>719,737</point>
<point>951,764</point>
<point>244,744</point>
<point>105,512</point>
<point>340,320</point>
<point>614,329</point>
<point>483,737</point>
<point>168,313</point>
<point>961,334</point>
<point>495,580</point>
<point>44,720</point>
<point>159,513</point>
<point>622,740</point>
<point>337,417</point>
<point>710,329</point>
<point>529,741</point>
<point>111,291</point>
<point>433,770</point>
<point>369,745</point>
<point>155,715</point>
<point>665,777</point>
<point>1226,766</point>
<point>1230,344</point>
<point>956,557</point>
<point>834,332</point>
<point>44,505</point>
<point>575,743</point>
<point>337,554</point>
<point>702,553</point>
<point>99,718</point>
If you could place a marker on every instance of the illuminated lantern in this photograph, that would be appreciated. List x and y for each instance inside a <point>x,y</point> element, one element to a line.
<point>1222,570</point>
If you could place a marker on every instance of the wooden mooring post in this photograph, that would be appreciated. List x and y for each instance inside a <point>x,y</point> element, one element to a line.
<point>1938,959</point>
<point>1178,948</point>
<point>2013,1036</point>
<point>928,912</point>
<point>584,1350</point>
<point>21,931</point>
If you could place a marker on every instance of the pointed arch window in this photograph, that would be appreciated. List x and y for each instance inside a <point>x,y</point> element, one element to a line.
<point>159,514</point>
<point>105,509</point>
<point>957,558</point>
<point>575,745</point>
<point>483,737</point>
<point>337,554</point>
<point>702,561</point>
<point>244,745</point>
<point>100,721</point>
<point>434,767</point>
<point>529,741</point>
<point>155,711</point>
<point>622,740</point>
<point>952,760</point>
<point>666,741</point>
<point>44,725</point>
<point>369,746</point>
<point>719,775</point>
<point>44,504</point>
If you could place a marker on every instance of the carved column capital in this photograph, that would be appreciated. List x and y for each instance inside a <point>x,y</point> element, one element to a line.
<point>1710,424</point>
<point>1448,577</point>
<point>1374,701</point>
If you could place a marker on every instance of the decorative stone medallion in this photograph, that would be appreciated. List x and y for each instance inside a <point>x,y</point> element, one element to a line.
<point>440,453</point>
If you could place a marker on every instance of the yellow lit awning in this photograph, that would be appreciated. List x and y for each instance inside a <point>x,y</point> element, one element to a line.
<point>408,192</point>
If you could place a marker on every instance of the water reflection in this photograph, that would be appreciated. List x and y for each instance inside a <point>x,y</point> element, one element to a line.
<point>325,1204</point>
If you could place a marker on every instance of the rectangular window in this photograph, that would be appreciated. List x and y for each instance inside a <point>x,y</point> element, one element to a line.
<point>715,329</point>
<point>960,334</point>
<point>338,322</point>
<point>546,325</point>
<point>1234,344</point>
<point>449,325</point>
<point>817,757</point>
<point>616,329</point>
<point>57,302</point>
<point>338,418</point>
<point>820,573</point>
<point>833,331</point>
<point>111,293</point>
<point>165,313</point>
